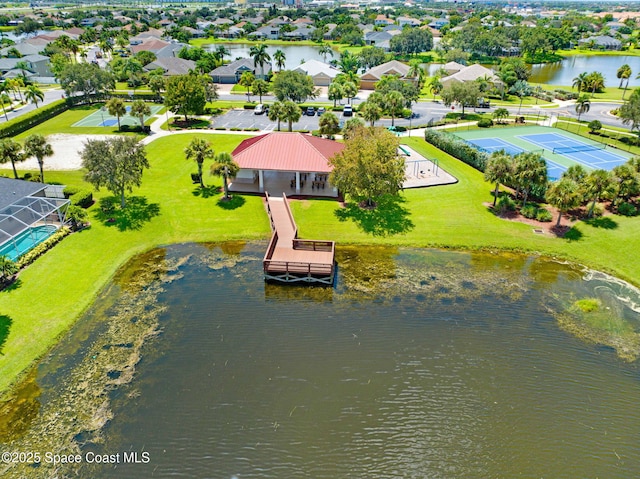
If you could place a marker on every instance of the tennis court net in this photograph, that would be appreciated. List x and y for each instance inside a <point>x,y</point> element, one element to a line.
<point>572,149</point>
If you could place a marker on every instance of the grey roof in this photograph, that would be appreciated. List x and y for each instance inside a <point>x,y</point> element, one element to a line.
<point>603,40</point>
<point>232,68</point>
<point>170,50</point>
<point>35,58</point>
<point>172,65</point>
<point>23,48</point>
<point>8,63</point>
<point>12,190</point>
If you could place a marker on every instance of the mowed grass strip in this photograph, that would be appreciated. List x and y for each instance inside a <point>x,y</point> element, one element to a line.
<point>57,288</point>
<point>54,291</point>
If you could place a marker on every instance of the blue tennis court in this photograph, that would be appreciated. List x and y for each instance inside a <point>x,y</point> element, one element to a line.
<point>109,122</point>
<point>592,155</point>
<point>491,145</point>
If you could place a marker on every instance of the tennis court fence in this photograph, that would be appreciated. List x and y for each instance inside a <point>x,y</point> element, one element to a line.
<point>573,149</point>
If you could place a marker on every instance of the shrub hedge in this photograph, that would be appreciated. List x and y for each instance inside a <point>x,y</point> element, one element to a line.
<point>28,258</point>
<point>29,120</point>
<point>83,198</point>
<point>457,148</point>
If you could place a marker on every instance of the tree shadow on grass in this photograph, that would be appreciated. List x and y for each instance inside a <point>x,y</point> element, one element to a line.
<point>5,326</point>
<point>206,192</point>
<point>14,284</point>
<point>573,234</point>
<point>602,222</point>
<point>388,218</point>
<point>232,203</point>
<point>136,213</point>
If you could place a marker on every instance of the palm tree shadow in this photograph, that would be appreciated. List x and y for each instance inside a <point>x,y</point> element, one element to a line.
<point>133,216</point>
<point>232,203</point>
<point>206,192</point>
<point>5,326</point>
<point>388,218</point>
<point>602,222</point>
<point>573,234</point>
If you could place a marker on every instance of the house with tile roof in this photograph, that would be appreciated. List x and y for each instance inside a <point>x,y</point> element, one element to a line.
<point>375,74</point>
<point>171,66</point>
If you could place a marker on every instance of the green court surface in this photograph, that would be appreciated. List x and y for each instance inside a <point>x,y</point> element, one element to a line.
<point>544,140</point>
<point>101,117</point>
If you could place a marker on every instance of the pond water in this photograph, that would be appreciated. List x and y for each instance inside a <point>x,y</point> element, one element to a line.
<point>563,73</point>
<point>419,363</point>
<point>295,54</point>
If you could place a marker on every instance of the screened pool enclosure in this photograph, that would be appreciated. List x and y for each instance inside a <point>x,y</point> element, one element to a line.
<point>36,212</point>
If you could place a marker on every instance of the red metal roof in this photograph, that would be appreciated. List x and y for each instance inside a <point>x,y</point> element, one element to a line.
<point>286,152</point>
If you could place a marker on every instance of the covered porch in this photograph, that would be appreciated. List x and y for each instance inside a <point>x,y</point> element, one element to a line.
<point>291,182</point>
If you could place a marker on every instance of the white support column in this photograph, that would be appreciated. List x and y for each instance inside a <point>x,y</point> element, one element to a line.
<point>297,182</point>
<point>261,180</point>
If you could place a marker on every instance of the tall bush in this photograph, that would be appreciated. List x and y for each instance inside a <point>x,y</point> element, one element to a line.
<point>457,148</point>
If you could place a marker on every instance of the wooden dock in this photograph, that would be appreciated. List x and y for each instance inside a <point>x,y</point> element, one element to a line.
<point>290,259</point>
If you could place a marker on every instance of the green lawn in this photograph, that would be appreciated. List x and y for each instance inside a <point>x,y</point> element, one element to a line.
<point>56,289</point>
<point>63,124</point>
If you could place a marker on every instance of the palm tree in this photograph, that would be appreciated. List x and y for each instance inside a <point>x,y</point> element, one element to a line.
<point>521,89</point>
<point>291,112</point>
<point>33,94</point>
<point>335,92</point>
<point>580,82</point>
<point>416,72</point>
<point>260,87</point>
<point>500,114</point>
<point>370,111</point>
<point>227,168</point>
<point>623,73</point>
<point>595,82</point>
<point>23,67</point>
<point>435,86</point>
<point>221,52</point>
<point>350,90</point>
<point>246,80</point>
<point>564,195</point>
<point>140,109</point>
<point>596,183</point>
<point>7,268</point>
<point>583,104</point>
<point>325,50</point>
<point>5,98</point>
<point>530,171</point>
<point>260,56</point>
<point>349,62</point>
<point>11,150</point>
<point>36,145</point>
<point>106,47</point>
<point>276,113</point>
<point>117,108</point>
<point>199,150</point>
<point>280,58</point>
<point>499,170</point>
<point>394,103</point>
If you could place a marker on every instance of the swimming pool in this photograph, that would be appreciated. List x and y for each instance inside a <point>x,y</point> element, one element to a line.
<point>26,241</point>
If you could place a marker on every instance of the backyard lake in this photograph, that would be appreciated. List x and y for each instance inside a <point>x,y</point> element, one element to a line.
<point>561,73</point>
<point>419,363</point>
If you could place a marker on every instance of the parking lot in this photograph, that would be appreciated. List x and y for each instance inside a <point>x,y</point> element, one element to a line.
<point>247,119</point>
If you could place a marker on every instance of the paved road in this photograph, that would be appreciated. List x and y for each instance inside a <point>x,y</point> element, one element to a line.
<point>49,96</point>
<point>425,111</point>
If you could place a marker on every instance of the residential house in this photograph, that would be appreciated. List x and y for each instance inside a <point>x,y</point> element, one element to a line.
<point>603,42</point>
<point>375,74</point>
<point>321,73</point>
<point>382,20</point>
<point>470,74</point>
<point>412,22</point>
<point>171,66</point>
<point>171,50</point>
<point>439,23</point>
<point>153,45</point>
<point>231,72</point>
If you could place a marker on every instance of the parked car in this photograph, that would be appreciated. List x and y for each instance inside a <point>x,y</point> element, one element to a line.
<point>259,109</point>
<point>347,111</point>
<point>321,110</point>
<point>311,111</point>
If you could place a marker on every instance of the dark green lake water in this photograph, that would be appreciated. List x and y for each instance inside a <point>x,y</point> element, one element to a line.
<point>420,363</point>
